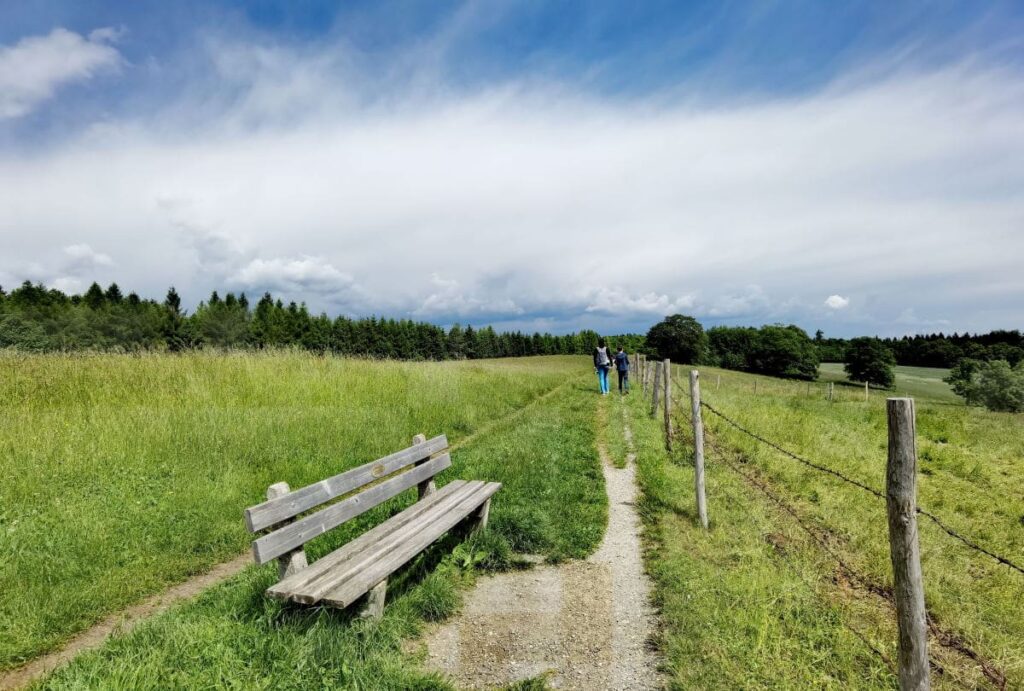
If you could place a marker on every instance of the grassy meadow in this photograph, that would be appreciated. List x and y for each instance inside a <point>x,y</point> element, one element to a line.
<point>762,603</point>
<point>125,474</point>
<point>916,382</point>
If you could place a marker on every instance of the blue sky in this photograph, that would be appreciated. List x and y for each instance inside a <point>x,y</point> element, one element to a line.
<point>855,167</point>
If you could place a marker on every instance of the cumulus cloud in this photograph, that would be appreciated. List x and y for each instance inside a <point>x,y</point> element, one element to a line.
<point>69,285</point>
<point>836,302</point>
<point>297,278</point>
<point>34,68</point>
<point>82,257</point>
<point>540,202</point>
<point>449,299</point>
<point>621,302</point>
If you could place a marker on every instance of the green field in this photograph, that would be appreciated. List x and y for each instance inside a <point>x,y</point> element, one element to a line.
<point>126,474</point>
<point>763,605</point>
<point>918,382</point>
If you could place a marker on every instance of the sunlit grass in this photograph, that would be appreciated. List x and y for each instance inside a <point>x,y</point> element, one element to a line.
<point>766,603</point>
<point>125,474</point>
<point>552,503</point>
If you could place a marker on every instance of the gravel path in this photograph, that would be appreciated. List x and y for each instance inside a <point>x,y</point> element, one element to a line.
<point>585,623</point>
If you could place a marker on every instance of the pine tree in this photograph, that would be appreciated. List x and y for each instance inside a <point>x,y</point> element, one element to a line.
<point>113,294</point>
<point>173,301</point>
<point>94,297</point>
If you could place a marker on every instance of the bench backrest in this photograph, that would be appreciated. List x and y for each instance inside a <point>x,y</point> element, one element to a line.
<point>296,533</point>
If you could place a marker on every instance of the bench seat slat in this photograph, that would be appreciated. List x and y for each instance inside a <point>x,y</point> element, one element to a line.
<point>356,559</point>
<point>301,582</point>
<point>305,498</point>
<point>429,530</point>
<point>302,531</point>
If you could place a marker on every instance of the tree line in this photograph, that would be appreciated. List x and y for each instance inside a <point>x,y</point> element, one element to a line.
<point>986,369</point>
<point>36,318</point>
<point>936,350</point>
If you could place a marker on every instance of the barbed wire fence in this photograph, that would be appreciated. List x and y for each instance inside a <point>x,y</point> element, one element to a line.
<point>914,661</point>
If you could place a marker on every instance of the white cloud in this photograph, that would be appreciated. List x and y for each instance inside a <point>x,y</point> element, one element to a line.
<point>836,302</point>
<point>621,302</point>
<point>82,257</point>
<point>448,298</point>
<point>34,68</point>
<point>537,202</point>
<point>296,277</point>
<point>67,284</point>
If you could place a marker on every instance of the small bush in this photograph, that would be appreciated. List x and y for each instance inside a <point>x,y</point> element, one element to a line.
<point>995,385</point>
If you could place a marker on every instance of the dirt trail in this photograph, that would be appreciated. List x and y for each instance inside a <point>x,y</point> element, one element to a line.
<point>587,624</point>
<point>121,621</point>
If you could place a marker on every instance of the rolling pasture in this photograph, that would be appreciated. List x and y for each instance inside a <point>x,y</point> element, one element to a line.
<point>790,587</point>
<point>126,474</point>
<point>917,382</point>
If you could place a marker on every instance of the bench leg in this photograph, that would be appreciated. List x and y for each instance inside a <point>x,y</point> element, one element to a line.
<point>374,607</point>
<point>481,516</point>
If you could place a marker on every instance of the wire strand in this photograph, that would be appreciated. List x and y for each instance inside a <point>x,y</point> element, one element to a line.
<point>811,464</point>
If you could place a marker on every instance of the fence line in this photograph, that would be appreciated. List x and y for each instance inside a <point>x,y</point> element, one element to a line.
<point>924,512</point>
<point>946,638</point>
<point>847,569</point>
<point>900,498</point>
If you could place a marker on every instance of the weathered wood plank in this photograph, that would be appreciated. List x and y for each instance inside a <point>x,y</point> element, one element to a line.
<point>359,560</point>
<point>364,579</point>
<point>327,571</point>
<point>304,530</point>
<point>295,560</point>
<point>292,504</point>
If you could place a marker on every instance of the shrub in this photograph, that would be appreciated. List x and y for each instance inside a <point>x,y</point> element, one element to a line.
<point>995,384</point>
<point>870,360</point>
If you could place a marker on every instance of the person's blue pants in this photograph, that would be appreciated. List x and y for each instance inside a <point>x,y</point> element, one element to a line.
<point>602,378</point>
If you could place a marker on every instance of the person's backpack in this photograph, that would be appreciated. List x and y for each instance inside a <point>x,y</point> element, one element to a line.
<point>602,357</point>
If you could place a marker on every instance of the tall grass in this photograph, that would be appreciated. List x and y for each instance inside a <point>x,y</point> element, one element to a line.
<point>125,474</point>
<point>758,588</point>
<point>552,503</point>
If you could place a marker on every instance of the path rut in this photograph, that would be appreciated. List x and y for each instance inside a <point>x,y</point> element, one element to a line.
<point>586,624</point>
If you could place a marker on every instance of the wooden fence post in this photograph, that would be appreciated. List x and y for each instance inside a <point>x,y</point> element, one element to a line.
<point>830,385</point>
<point>755,386</point>
<point>718,382</point>
<point>698,448</point>
<point>656,388</point>
<point>908,586</point>
<point>643,374</point>
<point>667,394</point>
<point>865,391</point>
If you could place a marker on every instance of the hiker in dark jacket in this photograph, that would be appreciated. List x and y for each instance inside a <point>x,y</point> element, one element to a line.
<point>602,363</point>
<point>622,367</point>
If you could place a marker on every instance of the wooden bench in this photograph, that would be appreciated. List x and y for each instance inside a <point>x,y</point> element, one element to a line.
<point>363,565</point>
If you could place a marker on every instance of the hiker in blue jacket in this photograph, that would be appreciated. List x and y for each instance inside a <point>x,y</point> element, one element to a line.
<point>602,363</point>
<point>622,367</point>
